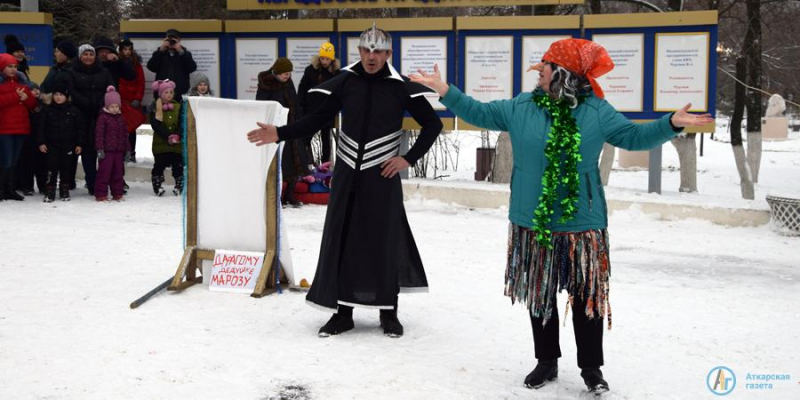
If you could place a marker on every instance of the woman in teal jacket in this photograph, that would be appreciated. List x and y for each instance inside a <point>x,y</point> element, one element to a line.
<point>558,215</point>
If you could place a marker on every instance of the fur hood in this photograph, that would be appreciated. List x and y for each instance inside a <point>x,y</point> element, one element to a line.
<point>333,68</point>
<point>268,81</point>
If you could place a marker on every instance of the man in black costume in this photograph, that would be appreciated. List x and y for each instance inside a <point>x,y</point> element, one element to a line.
<point>368,254</point>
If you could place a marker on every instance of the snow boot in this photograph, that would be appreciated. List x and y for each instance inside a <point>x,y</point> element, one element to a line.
<point>390,324</point>
<point>49,193</point>
<point>63,192</point>
<point>7,191</point>
<point>178,189</point>
<point>125,187</point>
<point>545,371</point>
<point>593,378</point>
<point>339,323</point>
<point>158,180</point>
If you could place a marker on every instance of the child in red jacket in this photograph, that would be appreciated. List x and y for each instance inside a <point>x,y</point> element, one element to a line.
<point>16,100</point>
<point>111,142</point>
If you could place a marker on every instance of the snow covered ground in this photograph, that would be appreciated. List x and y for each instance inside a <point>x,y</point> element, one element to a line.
<point>687,296</point>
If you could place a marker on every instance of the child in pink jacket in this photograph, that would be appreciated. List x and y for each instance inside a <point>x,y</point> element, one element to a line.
<point>113,147</point>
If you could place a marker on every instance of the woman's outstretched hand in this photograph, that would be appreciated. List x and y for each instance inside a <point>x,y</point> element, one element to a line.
<point>265,134</point>
<point>432,80</point>
<point>682,118</point>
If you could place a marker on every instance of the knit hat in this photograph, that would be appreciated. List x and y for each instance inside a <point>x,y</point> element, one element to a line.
<point>327,50</point>
<point>160,86</point>
<point>13,44</point>
<point>33,85</point>
<point>67,48</point>
<point>125,43</point>
<point>282,65</point>
<point>61,87</point>
<point>174,33</point>
<point>582,57</point>
<point>84,48</point>
<point>112,96</point>
<point>6,60</point>
<point>103,42</point>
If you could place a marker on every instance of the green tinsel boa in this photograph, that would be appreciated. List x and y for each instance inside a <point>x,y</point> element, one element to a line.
<point>563,155</point>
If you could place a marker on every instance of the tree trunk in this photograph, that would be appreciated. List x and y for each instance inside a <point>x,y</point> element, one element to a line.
<point>754,140</point>
<point>687,155</point>
<point>674,5</point>
<point>595,6</point>
<point>748,191</point>
<point>606,162</point>
<point>752,48</point>
<point>503,159</point>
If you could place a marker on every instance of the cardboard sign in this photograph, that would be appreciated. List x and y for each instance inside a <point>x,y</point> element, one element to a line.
<point>235,271</point>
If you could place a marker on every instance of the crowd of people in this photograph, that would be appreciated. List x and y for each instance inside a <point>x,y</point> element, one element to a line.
<point>88,107</point>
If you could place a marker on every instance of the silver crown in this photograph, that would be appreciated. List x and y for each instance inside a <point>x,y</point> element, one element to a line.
<point>375,39</point>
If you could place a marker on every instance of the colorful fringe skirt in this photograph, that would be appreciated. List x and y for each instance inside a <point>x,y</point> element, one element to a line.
<point>578,262</point>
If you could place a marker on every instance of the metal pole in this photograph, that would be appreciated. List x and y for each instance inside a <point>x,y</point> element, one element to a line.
<point>29,5</point>
<point>654,171</point>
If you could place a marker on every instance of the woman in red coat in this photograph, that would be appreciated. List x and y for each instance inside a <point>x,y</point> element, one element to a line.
<point>16,100</point>
<point>132,93</point>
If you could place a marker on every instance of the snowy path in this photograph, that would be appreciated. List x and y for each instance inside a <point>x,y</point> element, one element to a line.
<point>686,296</point>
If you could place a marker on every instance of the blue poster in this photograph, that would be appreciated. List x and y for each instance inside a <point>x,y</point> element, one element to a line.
<point>37,39</point>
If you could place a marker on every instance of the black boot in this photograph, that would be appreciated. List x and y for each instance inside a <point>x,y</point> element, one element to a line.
<point>545,371</point>
<point>593,378</point>
<point>178,190</point>
<point>158,180</point>
<point>63,192</point>
<point>50,193</point>
<point>390,324</point>
<point>7,185</point>
<point>339,322</point>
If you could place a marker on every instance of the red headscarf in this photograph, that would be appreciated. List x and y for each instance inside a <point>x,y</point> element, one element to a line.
<point>582,57</point>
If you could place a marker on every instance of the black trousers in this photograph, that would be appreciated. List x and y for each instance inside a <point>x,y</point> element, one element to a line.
<point>59,163</point>
<point>132,141</point>
<point>588,336</point>
<point>172,160</point>
<point>32,166</point>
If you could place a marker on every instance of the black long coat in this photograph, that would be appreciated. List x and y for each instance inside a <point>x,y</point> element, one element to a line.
<point>295,157</point>
<point>88,86</point>
<point>368,253</point>
<point>315,75</point>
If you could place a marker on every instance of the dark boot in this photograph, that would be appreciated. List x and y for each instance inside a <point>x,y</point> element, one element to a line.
<point>545,371</point>
<point>7,186</point>
<point>63,192</point>
<point>158,181</point>
<point>50,193</point>
<point>178,190</point>
<point>390,324</point>
<point>593,378</point>
<point>340,322</point>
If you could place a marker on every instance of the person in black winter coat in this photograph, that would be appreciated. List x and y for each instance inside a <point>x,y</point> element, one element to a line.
<point>172,61</point>
<point>64,53</point>
<point>88,83</point>
<point>61,135</point>
<point>323,67</point>
<point>32,166</point>
<point>107,54</point>
<point>276,84</point>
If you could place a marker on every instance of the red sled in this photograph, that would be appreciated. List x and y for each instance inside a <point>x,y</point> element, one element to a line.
<point>302,194</point>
